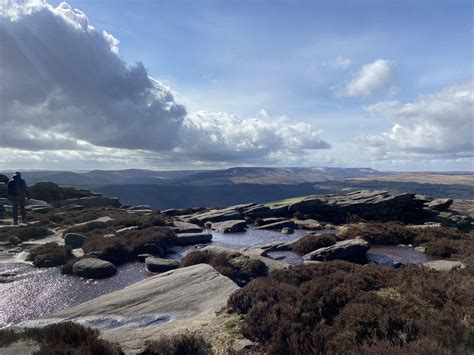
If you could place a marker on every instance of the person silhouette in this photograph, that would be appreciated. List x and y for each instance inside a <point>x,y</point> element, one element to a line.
<point>17,192</point>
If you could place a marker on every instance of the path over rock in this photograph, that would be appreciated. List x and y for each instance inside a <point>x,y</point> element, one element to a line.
<point>169,303</point>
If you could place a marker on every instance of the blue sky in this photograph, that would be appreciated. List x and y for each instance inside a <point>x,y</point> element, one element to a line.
<point>296,59</point>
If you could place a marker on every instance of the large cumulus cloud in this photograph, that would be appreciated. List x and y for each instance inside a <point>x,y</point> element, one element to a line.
<point>439,124</point>
<point>65,87</point>
<point>63,81</point>
<point>220,136</point>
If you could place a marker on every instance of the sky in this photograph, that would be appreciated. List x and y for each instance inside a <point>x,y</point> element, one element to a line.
<point>96,84</point>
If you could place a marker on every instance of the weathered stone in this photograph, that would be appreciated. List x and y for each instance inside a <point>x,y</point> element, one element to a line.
<point>217,216</point>
<point>441,204</point>
<point>74,240</point>
<point>287,230</point>
<point>93,268</point>
<point>350,250</point>
<point>160,265</point>
<point>309,224</point>
<point>193,238</point>
<point>185,227</point>
<point>257,211</point>
<point>444,265</point>
<point>278,225</point>
<point>233,226</point>
<point>139,208</point>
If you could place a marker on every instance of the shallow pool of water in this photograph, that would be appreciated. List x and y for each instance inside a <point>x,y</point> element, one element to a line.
<point>37,292</point>
<point>390,254</point>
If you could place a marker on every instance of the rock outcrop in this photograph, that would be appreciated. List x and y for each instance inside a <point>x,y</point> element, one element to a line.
<point>354,250</point>
<point>232,226</point>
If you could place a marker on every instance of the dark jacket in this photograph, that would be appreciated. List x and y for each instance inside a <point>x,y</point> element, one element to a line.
<point>16,188</point>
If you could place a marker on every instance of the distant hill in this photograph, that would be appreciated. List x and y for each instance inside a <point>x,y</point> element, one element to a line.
<point>184,188</point>
<point>238,175</point>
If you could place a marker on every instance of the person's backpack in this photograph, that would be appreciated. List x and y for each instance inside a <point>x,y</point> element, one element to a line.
<point>12,188</point>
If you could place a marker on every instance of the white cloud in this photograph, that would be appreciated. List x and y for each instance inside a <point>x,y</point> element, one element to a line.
<point>220,136</point>
<point>339,63</point>
<point>370,79</point>
<point>439,124</point>
<point>64,87</point>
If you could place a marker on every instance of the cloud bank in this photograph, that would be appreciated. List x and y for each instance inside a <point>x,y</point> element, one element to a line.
<point>65,87</point>
<point>440,124</point>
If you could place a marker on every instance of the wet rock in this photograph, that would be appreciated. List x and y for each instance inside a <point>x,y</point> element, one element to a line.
<point>74,240</point>
<point>354,250</point>
<point>287,230</point>
<point>444,265</point>
<point>160,265</point>
<point>193,238</point>
<point>278,225</point>
<point>308,224</point>
<point>189,297</point>
<point>93,268</point>
<point>233,226</point>
<point>5,280</point>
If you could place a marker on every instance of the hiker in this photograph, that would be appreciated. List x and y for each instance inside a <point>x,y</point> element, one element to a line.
<point>17,191</point>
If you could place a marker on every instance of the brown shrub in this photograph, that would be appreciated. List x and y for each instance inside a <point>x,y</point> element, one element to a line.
<point>62,338</point>
<point>50,254</point>
<point>439,241</point>
<point>233,265</point>
<point>23,233</point>
<point>127,245</point>
<point>311,242</point>
<point>181,344</point>
<point>338,307</point>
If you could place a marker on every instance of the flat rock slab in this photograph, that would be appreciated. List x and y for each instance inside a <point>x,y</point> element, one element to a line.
<point>179,300</point>
<point>185,227</point>
<point>160,264</point>
<point>193,238</point>
<point>349,250</point>
<point>444,265</point>
<point>217,215</point>
<point>233,226</point>
<point>278,225</point>
<point>92,268</point>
